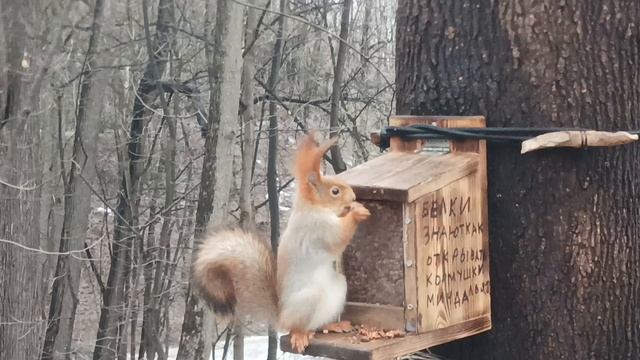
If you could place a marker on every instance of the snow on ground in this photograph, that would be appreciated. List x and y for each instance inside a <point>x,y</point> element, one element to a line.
<point>255,348</point>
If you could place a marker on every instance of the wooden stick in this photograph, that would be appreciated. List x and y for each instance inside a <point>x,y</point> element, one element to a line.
<point>577,139</point>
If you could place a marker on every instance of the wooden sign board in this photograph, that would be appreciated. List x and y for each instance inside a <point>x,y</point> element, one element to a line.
<point>420,263</point>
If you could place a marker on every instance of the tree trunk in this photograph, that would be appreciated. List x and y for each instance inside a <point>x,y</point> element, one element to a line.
<point>336,92</point>
<point>224,69</point>
<point>364,42</point>
<point>157,253</point>
<point>125,234</point>
<point>77,204</point>
<point>564,224</point>
<point>25,59</point>
<point>20,272</point>
<point>247,120</point>
<point>272,156</point>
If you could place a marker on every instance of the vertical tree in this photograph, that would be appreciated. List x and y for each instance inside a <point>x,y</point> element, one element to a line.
<point>336,92</point>
<point>272,155</point>
<point>77,202</point>
<point>28,46</point>
<point>19,187</point>
<point>224,60</point>
<point>564,224</point>
<point>126,235</point>
<point>247,128</point>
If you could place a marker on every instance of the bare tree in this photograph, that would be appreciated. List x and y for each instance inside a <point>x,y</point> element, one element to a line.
<point>247,128</point>
<point>224,72</point>
<point>247,120</point>
<point>19,196</point>
<point>117,170</point>
<point>64,298</point>
<point>25,61</point>
<point>336,92</point>
<point>272,156</point>
<point>125,234</point>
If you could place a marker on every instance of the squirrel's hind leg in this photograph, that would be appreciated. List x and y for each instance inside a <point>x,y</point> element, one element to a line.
<point>300,340</point>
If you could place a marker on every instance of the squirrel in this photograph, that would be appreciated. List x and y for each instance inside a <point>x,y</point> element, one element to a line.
<point>300,291</point>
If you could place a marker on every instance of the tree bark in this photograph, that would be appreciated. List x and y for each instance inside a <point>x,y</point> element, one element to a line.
<point>77,204</point>
<point>336,92</point>
<point>25,60</point>
<point>272,156</point>
<point>125,235</point>
<point>364,42</point>
<point>247,120</point>
<point>224,69</point>
<point>564,224</point>
<point>157,254</point>
<point>20,273</point>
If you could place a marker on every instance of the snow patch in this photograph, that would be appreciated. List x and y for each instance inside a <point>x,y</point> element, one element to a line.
<point>255,347</point>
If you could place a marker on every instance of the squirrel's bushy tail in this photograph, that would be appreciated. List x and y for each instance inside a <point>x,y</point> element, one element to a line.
<point>235,273</point>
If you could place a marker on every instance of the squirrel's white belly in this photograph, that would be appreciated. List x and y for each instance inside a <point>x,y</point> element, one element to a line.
<point>333,290</point>
<point>314,298</point>
<point>312,293</point>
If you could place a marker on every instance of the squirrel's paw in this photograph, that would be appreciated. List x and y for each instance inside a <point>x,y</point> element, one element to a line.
<point>359,212</point>
<point>338,327</point>
<point>300,340</point>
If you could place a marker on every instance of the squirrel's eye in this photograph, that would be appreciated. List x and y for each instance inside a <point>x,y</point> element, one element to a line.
<point>335,191</point>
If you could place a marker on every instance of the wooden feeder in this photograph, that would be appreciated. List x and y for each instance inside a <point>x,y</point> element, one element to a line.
<point>420,263</point>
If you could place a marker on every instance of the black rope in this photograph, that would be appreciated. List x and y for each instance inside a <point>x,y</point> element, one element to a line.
<point>500,135</point>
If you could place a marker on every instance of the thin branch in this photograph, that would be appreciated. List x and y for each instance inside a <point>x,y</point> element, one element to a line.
<point>94,269</point>
<point>104,201</point>
<point>19,187</point>
<point>320,28</point>
<point>45,252</point>
<point>63,171</point>
<point>295,118</point>
<point>282,187</point>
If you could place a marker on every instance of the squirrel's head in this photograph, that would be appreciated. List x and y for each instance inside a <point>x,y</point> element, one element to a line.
<point>314,188</point>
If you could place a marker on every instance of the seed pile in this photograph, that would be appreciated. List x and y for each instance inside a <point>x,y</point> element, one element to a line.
<point>365,333</point>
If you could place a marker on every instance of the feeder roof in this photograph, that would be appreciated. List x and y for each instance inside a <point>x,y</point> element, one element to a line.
<point>405,177</point>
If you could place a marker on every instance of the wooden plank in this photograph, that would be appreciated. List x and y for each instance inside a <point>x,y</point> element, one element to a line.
<point>380,316</point>
<point>484,201</point>
<point>465,145</point>
<point>452,261</point>
<point>459,166</point>
<point>332,346</point>
<point>450,121</point>
<point>341,346</point>
<point>404,177</point>
<point>410,275</point>
<point>399,145</point>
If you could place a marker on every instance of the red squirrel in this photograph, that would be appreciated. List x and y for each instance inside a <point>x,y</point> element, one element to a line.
<point>236,273</point>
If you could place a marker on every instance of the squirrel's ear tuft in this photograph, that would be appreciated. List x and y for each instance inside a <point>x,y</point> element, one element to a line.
<point>307,141</point>
<point>307,164</point>
<point>327,145</point>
